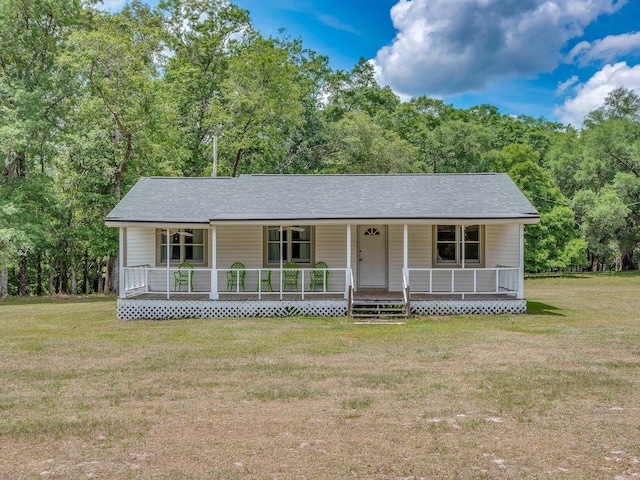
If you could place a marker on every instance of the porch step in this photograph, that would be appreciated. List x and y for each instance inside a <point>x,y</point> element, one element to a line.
<point>378,309</point>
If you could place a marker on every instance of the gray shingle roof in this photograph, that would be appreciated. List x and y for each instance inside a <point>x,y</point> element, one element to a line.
<point>323,197</point>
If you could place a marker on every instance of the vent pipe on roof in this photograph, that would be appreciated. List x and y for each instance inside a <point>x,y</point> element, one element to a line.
<point>214,169</point>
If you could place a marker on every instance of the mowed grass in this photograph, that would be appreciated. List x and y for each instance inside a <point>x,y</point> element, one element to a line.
<point>551,394</point>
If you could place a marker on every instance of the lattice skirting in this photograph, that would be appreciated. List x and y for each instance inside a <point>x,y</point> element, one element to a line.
<point>464,307</point>
<point>128,309</point>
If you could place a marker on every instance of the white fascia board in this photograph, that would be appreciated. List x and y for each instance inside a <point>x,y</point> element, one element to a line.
<point>190,225</point>
<point>381,221</point>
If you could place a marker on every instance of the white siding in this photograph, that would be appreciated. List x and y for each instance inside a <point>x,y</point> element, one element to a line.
<point>419,253</point>
<point>141,246</point>
<point>331,248</point>
<point>240,243</point>
<point>502,245</point>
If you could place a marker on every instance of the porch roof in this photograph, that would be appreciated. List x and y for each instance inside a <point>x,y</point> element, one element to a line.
<point>287,198</point>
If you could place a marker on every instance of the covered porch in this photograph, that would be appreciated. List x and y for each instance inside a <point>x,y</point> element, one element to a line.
<point>406,277</point>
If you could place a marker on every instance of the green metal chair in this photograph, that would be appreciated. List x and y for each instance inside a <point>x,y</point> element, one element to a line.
<point>290,275</point>
<point>319,278</point>
<point>236,275</point>
<point>266,280</point>
<point>183,276</point>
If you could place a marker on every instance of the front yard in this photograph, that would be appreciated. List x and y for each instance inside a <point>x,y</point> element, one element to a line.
<point>551,394</point>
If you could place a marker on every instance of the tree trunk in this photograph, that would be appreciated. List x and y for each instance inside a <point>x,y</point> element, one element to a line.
<point>236,164</point>
<point>52,277</point>
<point>85,273</point>
<point>627,260</point>
<point>114,278</point>
<point>74,279</point>
<point>4,282</point>
<point>22,276</point>
<point>100,277</point>
<point>107,276</point>
<point>39,275</point>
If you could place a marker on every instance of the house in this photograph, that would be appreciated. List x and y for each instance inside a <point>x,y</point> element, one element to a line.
<point>423,244</point>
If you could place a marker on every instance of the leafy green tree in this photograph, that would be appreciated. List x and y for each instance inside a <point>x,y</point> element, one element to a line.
<point>602,217</point>
<point>201,37</point>
<point>368,148</point>
<point>34,94</point>
<point>553,243</point>
<point>358,90</point>
<point>455,147</point>
<point>609,176</point>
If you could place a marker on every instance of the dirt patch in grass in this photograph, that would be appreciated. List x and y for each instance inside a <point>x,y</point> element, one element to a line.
<point>553,394</point>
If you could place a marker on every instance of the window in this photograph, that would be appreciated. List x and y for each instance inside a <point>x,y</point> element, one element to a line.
<point>187,245</point>
<point>296,245</point>
<point>448,245</point>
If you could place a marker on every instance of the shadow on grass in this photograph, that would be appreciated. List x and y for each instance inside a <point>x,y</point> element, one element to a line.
<point>539,308</point>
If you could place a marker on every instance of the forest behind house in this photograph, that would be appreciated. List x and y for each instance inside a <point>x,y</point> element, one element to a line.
<point>91,101</point>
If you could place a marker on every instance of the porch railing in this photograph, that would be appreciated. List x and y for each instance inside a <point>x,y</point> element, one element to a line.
<point>415,281</point>
<point>463,281</point>
<point>162,280</point>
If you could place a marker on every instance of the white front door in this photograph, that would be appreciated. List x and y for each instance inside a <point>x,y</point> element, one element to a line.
<point>372,256</point>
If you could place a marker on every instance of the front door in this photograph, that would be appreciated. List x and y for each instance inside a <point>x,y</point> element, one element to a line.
<point>372,256</point>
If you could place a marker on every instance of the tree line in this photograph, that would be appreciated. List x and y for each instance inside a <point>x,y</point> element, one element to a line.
<point>90,101</point>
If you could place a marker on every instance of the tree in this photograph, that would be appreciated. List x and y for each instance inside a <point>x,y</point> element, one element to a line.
<point>264,100</point>
<point>551,244</point>
<point>34,95</point>
<point>368,148</point>
<point>358,89</point>
<point>201,36</point>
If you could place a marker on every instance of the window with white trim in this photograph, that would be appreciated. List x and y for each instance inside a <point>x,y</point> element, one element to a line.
<point>297,244</point>
<point>186,245</point>
<point>448,245</point>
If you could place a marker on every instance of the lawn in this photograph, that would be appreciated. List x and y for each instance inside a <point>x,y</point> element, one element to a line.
<point>551,394</point>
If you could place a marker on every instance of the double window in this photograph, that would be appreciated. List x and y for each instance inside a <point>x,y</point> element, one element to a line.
<point>186,245</point>
<point>296,244</point>
<point>449,247</point>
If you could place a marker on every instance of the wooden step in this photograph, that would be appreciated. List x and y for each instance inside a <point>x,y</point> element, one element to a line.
<point>371,308</point>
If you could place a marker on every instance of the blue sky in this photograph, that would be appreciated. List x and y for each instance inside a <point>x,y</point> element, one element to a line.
<point>552,58</point>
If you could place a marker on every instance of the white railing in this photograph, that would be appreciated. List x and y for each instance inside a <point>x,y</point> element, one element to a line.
<point>349,291</point>
<point>136,278</point>
<point>406,291</point>
<point>476,281</point>
<point>257,281</point>
<point>278,282</point>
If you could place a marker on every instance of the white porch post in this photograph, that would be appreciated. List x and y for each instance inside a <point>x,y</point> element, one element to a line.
<point>521,279</point>
<point>213,249</point>
<point>168,259</point>
<point>347,276</point>
<point>122,291</point>
<point>463,249</point>
<point>281,251</point>
<point>405,249</point>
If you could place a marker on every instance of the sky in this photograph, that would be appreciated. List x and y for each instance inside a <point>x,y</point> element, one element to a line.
<point>556,59</point>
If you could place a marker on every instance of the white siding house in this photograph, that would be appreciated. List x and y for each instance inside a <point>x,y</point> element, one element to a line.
<point>433,243</point>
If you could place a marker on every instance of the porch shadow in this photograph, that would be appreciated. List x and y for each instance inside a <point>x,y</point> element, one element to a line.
<point>539,308</point>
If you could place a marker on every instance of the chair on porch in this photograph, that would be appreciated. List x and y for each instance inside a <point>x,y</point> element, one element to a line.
<point>236,276</point>
<point>319,277</point>
<point>262,280</point>
<point>290,275</point>
<point>183,276</point>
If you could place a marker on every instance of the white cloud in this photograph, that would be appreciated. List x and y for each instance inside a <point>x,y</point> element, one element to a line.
<point>607,49</point>
<point>564,86</point>
<point>590,95</point>
<point>445,47</point>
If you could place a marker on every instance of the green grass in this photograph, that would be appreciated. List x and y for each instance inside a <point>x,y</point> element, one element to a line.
<point>554,393</point>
